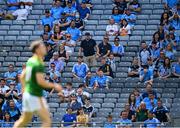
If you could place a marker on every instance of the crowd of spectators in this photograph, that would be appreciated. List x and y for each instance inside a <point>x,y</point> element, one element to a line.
<point>62,32</point>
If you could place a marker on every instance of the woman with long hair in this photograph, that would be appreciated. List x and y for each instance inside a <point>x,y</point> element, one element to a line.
<point>117,14</point>
<point>165,69</point>
<point>57,35</point>
<point>82,118</point>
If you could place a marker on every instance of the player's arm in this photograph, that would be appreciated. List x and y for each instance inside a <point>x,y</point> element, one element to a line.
<point>22,79</point>
<point>43,83</point>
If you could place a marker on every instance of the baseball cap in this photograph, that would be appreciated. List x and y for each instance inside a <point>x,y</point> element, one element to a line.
<point>47,11</point>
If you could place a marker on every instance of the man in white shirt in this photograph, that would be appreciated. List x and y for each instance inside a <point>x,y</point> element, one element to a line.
<point>112,28</point>
<point>3,86</point>
<point>21,13</point>
<point>69,44</point>
<point>28,4</point>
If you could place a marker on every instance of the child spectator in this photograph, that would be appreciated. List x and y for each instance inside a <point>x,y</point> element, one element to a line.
<point>47,19</point>
<point>82,118</point>
<point>111,61</point>
<point>112,28</point>
<point>125,28</point>
<point>117,14</point>
<point>165,69</point>
<point>133,70</point>
<point>117,48</point>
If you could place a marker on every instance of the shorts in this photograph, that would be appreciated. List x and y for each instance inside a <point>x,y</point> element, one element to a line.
<point>32,103</point>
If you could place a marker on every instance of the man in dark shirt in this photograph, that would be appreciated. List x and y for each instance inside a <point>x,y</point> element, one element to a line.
<point>50,52</point>
<point>106,68</point>
<point>161,112</point>
<point>149,90</point>
<point>104,48</point>
<point>88,46</point>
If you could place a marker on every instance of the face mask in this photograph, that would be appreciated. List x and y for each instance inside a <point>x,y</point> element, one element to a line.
<point>77,16</point>
<point>21,7</point>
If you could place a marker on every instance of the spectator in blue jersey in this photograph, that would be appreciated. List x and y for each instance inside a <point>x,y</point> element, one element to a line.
<point>13,5</point>
<point>150,101</point>
<point>176,69</point>
<point>117,14</point>
<point>101,81</point>
<point>134,6</point>
<point>59,64</point>
<point>63,22</point>
<point>152,66</point>
<point>47,19</point>
<point>117,48</point>
<point>151,122</point>
<point>169,52</point>
<point>175,21</point>
<point>89,80</point>
<point>148,90</point>
<point>146,75</point>
<point>74,32</point>
<point>131,18</point>
<point>164,70</point>
<point>84,11</point>
<point>57,10</point>
<point>155,51</point>
<point>124,121</point>
<point>7,121</point>
<point>69,118</point>
<point>109,123</point>
<point>161,112</point>
<point>144,53</point>
<point>54,74</point>
<point>70,11</point>
<point>13,110</point>
<point>80,69</point>
<point>10,75</point>
<point>170,4</point>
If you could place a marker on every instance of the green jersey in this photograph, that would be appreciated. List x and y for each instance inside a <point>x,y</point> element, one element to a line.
<point>33,66</point>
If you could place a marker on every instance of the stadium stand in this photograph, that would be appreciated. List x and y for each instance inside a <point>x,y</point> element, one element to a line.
<point>15,37</point>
